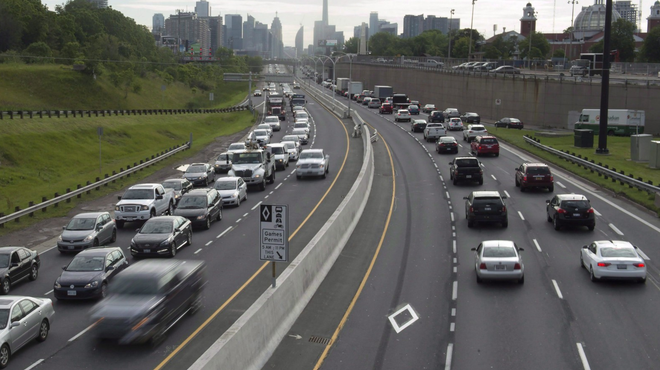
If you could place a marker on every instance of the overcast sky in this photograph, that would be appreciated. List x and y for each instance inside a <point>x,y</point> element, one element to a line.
<point>345,14</point>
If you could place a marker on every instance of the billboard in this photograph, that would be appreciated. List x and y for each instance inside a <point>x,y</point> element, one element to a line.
<point>323,43</point>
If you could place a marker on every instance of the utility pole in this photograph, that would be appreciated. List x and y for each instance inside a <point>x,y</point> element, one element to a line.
<point>471,23</point>
<point>451,15</point>
<point>605,81</point>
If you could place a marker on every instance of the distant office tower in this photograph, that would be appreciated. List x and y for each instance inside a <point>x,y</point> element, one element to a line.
<point>158,23</point>
<point>391,28</point>
<point>299,42</point>
<point>373,24</point>
<point>99,3</point>
<point>325,12</point>
<point>202,8</point>
<point>319,34</point>
<point>260,38</point>
<point>189,30</point>
<point>234,34</point>
<point>248,33</point>
<point>413,25</point>
<point>628,11</point>
<point>276,38</point>
<point>216,28</point>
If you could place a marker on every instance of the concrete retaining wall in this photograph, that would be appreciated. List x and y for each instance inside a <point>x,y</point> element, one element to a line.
<point>538,102</point>
<point>249,343</point>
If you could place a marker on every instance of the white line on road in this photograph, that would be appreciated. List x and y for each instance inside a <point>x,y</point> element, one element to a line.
<point>455,269</point>
<point>597,213</point>
<point>271,193</point>
<point>454,291</point>
<point>278,186</point>
<point>239,220</point>
<point>224,232</point>
<point>452,327</point>
<point>643,255</point>
<point>51,248</point>
<point>494,178</point>
<point>583,357</point>
<point>81,333</point>
<point>452,216</point>
<point>453,312</point>
<point>208,243</point>
<point>255,206</point>
<point>521,216</point>
<point>35,364</point>
<point>48,292</point>
<point>455,260</point>
<point>454,246</point>
<point>266,197</point>
<point>560,184</point>
<point>447,193</point>
<point>436,166</point>
<point>537,245</point>
<point>450,348</point>
<point>197,251</point>
<point>507,194</point>
<point>615,229</point>
<point>245,214</point>
<point>554,282</point>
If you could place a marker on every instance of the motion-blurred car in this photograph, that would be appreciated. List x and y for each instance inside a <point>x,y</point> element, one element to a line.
<point>89,273</point>
<point>374,103</point>
<point>418,125</point>
<point>200,174</point>
<point>455,124</point>
<point>428,108</point>
<point>232,190</point>
<point>257,92</point>
<point>385,108</point>
<point>261,136</point>
<point>487,207</point>
<point>451,113</point>
<point>87,230</point>
<point>436,116</point>
<point>274,122</point>
<point>295,139</point>
<point>570,210</point>
<point>413,109</point>
<point>509,123</point>
<point>470,117</point>
<point>161,236</point>
<point>312,162</point>
<point>267,127</point>
<point>506,70</point>
<point>22,319</point>
<point>577,70</point>
<point>446,144</point>
<point>613,259</point>
<point>302,134</point>
<point>281,155</point>
<point>499,260</point>
<point>234,147</point>
<point>179,187</point>
<point>17,264</point>
<point>222,163</point>
<point>201,207</point>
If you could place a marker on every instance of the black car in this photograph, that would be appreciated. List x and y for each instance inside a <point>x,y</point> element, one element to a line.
<point>180,187</point>
<point>88,274</point>
<point>161,236</point>
<point>509,123</point>
<point>446,144</point>
<point>437,116</point>
<point>466,169</point>
<point>471,117</point>
<point>16,264</point>
<point>417,125</point>
<point>570,210</point>
<point>485,206</point>
<point>201,207</point>
<point>200,174</point>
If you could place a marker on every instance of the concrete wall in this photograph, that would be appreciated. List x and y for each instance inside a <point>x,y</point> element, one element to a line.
<point>534,101</point>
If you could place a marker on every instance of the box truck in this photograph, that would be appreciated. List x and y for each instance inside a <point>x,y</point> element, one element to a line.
<point>381,92</point>
<point>342,84</point>
<point>620,122</point>
<point>355,88</point>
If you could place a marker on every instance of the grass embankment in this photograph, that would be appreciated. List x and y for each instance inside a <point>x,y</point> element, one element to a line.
<point>58,87</point>
<point>41,157</point>
<point>618,158</point>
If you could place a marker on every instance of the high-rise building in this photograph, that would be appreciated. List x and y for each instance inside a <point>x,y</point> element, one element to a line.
<point>248,33</point>
<point>202,8</point>
<point>299,42</point>
<point>260,39</point>
<point>364,37</point>
<point>234,31</point>
<point>276,38</point>
<point>325,12</point>
<point>189,30</point>
<point>319,34</point>
<point>413,25</point>
<point>158,23</point>
<point>373,24</point>
<point>628,11</point>
<point>216,28</point>
<point>99,3</point>
<point>391,28</point>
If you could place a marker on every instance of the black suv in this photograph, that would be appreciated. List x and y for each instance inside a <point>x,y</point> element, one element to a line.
<point>530,175</point>
<point>436,116</point>
<point>201,207</point>
<point>570,210</point>
<point>466,169</point>
<point>485,206</point>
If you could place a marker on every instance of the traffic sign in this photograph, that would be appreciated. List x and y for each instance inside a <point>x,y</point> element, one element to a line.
<point>498,101</point>
<point>274,233</point>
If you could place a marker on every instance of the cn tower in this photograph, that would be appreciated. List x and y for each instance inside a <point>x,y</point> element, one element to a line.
<point>325,12</point>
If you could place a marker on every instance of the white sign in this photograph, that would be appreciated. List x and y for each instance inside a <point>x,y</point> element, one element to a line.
<point>274,233</point>
<point>498,101</point>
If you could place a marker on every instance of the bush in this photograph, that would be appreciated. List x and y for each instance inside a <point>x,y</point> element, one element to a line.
<point>41,51</point>
<point>137,87</point>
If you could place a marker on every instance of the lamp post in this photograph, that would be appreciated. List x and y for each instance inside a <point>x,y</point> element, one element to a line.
<point>327,58</point>
<point>451,15</point>
<point>350,76</point>
<point>471,22</point>
<point>573,2</point>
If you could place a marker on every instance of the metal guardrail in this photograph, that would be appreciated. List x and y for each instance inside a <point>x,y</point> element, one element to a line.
<point>129,170</point>
<point>601,170</point>
<point>108,113</point>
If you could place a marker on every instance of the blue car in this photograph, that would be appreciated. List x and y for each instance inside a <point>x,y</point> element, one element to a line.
<point>413,109</point>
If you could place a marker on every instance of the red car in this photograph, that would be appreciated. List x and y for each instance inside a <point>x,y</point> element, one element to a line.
<point>485,145</point>
<point>530,175</point>
<point>385,108</point>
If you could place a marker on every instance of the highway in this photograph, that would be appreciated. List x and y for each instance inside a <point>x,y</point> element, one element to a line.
<point>558,319</point>
<point>231,251</point>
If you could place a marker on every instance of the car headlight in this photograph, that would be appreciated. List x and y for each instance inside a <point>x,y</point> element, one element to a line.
<point>57,285</point>
<point>116,208</point>
<point>235,195</point>
<point>177,196</point>
<point>132,243</point>
<point>298,167</point>
<point>167,241</point>
<point>88,238</point>
<point>144,208</point>
<point>280,160</point>
<point>93,284</point>
<point>321,166</point>
<point>201,217</point>
<point>257,176</point>
<point>200,178</point>
<point>59,238</point>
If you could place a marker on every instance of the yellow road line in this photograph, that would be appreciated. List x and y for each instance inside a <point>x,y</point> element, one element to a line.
<point>368,272</point>
<point>222,307</point>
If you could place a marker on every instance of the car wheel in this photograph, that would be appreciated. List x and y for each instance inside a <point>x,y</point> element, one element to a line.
<point>120,224</point>
<point>152,214</point>
<point>581,261</point>
<point>170,209</point>
<point>549,218</point>
<point>479,280</point>
<point>642,281</point>
<point>189,241</point>
<point>34,273</point>
<point>95,243</point>
<point>517,183</point>
<point>522,188</point>
<point>470,224</point>
<point>272,178</point>
<point>4,356</point>
<point>522,280</point>
<point>220,213</point>
<point>592,227</point>
<point>551,188</point>
<point>114,236</point>
<point>6,287</point>
<point>455,182</point>
<point>555,223</point>
<point>497,154</point>
<point>591,275</point>
<point>207,225</point>
<point>263,185</point>
<point>238,202</point>
<point>172,250</point>
<point>505,224</point>
<point>481,181</point>
<point>104,290</point>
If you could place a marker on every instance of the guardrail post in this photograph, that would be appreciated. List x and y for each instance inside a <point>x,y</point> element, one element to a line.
<point>106,176</point>
<point>16,209</point>
<point>113,173</point>
<point>2,226</point>
<point>74,113</point>
<point>79,194</point>
<point>30,204</point>
<point>57,195</point>
<point>11,114</point>
<point>20,113</point>
<point>88,183</point>
<point>98,187</point>
<point>30,113</point>
<point>66,113</point>
<point>43,199</point>
<point>128,167</point>
<point>58,114</point>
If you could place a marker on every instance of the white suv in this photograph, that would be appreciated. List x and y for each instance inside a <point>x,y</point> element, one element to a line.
<point>402,115</point>
<point>473,131</point>
<point>455,124</point>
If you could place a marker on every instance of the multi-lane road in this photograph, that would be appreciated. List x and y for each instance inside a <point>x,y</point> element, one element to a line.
<point>558,319</point>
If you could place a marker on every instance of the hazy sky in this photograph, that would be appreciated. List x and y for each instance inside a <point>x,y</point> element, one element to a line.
<point>345,14</point>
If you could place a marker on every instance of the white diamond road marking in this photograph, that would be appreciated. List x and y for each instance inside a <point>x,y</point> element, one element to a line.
<point>395,325</point>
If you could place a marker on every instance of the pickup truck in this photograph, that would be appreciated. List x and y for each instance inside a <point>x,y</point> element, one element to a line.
<point>142,202</point>
<point>255,166</point>
<point>466,169</point>
<point>312,162</point>
<point>433,131</point>
<point>147,299</point>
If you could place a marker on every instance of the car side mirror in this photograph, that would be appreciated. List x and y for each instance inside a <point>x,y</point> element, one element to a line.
<point>63,227</point>
<point>119,197</point>
<point>450,163</point>
<point>64,267</point>
<point>473,249</point>
<point>465,198</point>
<point>99,227</point>
<point>159,196</point>
<point>584,247</point>
<point>15,324</point>
<point>137,230</point>
<point>109,268</point>
<point>521,249</point>
<point>503,196</point>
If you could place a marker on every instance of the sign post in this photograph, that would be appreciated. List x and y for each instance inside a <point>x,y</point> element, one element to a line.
<point>274,234</point>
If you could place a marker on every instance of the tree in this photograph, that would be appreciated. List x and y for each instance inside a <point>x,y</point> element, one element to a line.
<point>460,48</point>
<point>501,48</point>
<point>40,50</point>
<point>622,39</point>
<point>351,45</point>
<point>651,48</point>
<point>538,41</point>
<point>383,43</point>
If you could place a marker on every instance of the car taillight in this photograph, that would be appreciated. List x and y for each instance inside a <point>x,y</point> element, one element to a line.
<point>441,144</point>
<point>481,172</point>
<point>561,210</point>
<point>482,266</point>
<point>552,178</point>
<point>516,266</point>
<point>590,210</point>
<point>456,173</point>
<point>603,264</point>
<point>639,265</point>
<point>471,209</point>
<point>479,148</point>
<point>503,208</point>
<point>525,178</point>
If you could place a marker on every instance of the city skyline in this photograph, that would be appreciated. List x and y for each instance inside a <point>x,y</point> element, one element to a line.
<point>345,14</point>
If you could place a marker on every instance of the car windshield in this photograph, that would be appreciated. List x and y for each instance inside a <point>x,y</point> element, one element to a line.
<point>264,126</point>
<point>403,112</point>
<point>467,162</point>
<point>277,150</point>
<point>575,204</point>
<point>176,185</point>
<point>289,146</point>
<point>4,260</point>
<point>300,125</point>
<point>617,252</point>
<point>223,157</point>
<point>236,146</point>
<point>225,185</point>
<point>86,263</point>
<point>157,227</point>
<point>290,138</point>
<point>489,141</point>
<point>499,252</point>
<point>302,115</point>
<point>81,224</point>
<point>313,155</point>
<point>299,131</point>
<point>478,128</point>
<point>456,120</point>
<point>272,119</point>
<point>245,158</point>
<point>487,201</point>
<point>196,169</point>
<point>261,132</point>
<point>514,120</point>
<point>538,171</point>
<point>449,139</point>
<point>192,202</point>
<point>138,194</point>
<point>133,286</point>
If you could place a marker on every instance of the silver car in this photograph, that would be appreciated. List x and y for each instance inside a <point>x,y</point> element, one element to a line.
<point>267,127</point>
<point>293,148</point>
<point>23,319</point>
<point>232,190</point>
<point>281,155</point>
<point>223,163</point>
<point>274,122</point>
<point>234,147</point>
<point>261,136</point>
<point>499,260</point>
<point>293,138</point>
<point>87,230</point>
<point>302,134</point>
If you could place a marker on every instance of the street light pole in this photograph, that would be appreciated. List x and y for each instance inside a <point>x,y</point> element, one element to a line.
<point>471,23</point>
<point>572,26</point>
<point>350,77</point>
<point>333,77</point>
<point>451,15</point>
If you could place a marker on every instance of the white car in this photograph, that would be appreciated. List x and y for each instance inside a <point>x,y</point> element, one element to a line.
<point>281,155</point>
<point>473,131</point>
<point>499,260</point>
<point>302,135</point>
<point>402,115</point>
<point>293,148</point>
<point>274,122</point>
<point>257,92</point>
<point>302,124</point>
<point>302,114</point>
<point>312,162</point>
<point>261,136</point>
<point>265,126</point>
<point>296,109</point>
<point>294,138</point>
<point>232,190</point>
<point>455,124</point>
<point>235,147</point>
<point>613,259</point>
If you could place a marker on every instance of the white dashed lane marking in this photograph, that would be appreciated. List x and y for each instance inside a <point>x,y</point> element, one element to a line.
<point>615,229</point>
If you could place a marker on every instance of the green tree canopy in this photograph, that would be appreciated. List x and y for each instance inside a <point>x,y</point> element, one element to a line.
<point>351,45</point>
<point>651,48</point>
<point>622,40</point>
<point>539,42</point>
